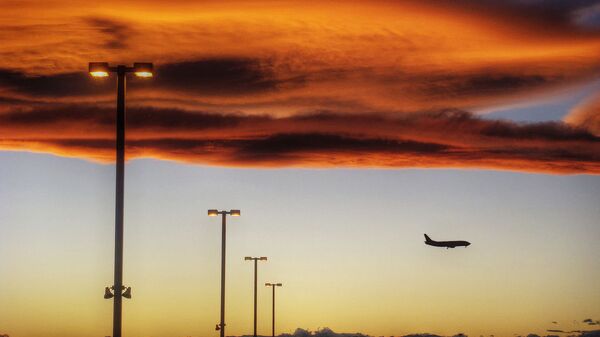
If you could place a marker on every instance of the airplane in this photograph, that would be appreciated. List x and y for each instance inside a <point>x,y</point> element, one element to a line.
<point>447,244</point>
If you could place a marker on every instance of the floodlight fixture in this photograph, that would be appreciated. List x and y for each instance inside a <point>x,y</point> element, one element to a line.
<point>139,69</point>
<point>144,69</point>
<point>99,69</point>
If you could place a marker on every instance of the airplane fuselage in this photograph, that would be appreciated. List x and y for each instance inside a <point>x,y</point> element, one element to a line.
<point>447,244</point>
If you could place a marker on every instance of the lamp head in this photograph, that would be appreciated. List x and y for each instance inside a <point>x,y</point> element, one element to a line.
<point>235,212</point>
<point>279,284</point>
<point>267,284</point>
<point>127,293</point>
<point>247,258</point>
<point>213,212</point>
<point>99,69</point>
<point>263,258</point>
<point>143,69</point>
<point>107,293</point>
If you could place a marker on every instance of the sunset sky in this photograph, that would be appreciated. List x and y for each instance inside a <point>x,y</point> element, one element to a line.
<point>343,130</point>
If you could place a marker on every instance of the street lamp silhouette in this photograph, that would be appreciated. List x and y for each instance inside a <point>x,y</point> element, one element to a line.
<point>255,259</point>
<point>273,285</point>
<point>214,212</point>
<point>102,69</point>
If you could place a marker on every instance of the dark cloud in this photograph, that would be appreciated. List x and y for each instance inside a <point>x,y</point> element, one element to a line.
<point>554,10</point>
<point>217,76</point>
<point>59,85</point>
<point>13,100</point>
<point>144,117</point>
<point>57,115</point>
<point>485,82</point>
<point>278,145</point>
<point>116,33</point>
<point>543,130</point>
<point>448,138</point>
<point>499,82</point>
<point>137,117</point>
<point>278,148</point>
<point>549,15</point>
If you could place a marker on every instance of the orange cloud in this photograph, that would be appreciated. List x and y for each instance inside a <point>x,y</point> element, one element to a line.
<point>586,115</point>
<point>377,84</point>
<point>441,139</point>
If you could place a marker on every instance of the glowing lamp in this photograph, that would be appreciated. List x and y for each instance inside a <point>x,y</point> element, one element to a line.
<point>99,69</point>
<point>235,212</point>
<point>143,69</point>
<point>213,212</point>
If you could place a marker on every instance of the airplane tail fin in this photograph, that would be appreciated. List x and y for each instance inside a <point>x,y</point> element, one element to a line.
<point>427,238</point>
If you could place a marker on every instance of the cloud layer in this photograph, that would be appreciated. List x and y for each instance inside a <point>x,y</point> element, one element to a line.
<point>450,138</point>
<point>277,84</point>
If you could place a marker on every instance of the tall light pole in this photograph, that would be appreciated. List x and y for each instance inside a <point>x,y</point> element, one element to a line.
<point>273,285</point>
<point>214,212</point>
<point>102,69</point>
<point>255,259</point>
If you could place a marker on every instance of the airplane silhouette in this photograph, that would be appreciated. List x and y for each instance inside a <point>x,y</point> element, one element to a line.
<point>447,244</point>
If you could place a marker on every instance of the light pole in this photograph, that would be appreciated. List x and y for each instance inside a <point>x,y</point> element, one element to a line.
<point>214,212</point>
<point>255,259</point>
<point>102,69</point>
<point>273,285</point>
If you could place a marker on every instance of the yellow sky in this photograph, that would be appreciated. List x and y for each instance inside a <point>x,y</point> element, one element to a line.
<point>379,84</point>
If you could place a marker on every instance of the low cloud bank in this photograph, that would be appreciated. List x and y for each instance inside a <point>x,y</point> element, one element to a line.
<point>326,332</point>
<point>447,138</point>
